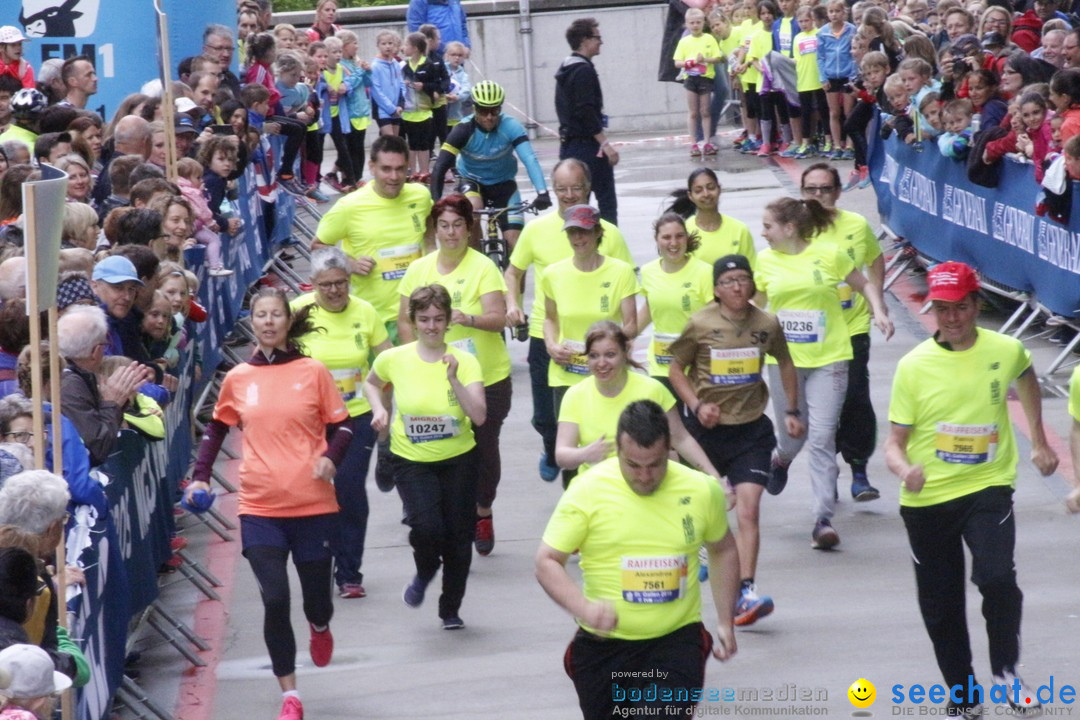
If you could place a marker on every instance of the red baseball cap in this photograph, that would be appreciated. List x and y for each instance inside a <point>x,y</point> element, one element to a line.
<point>951,281</point>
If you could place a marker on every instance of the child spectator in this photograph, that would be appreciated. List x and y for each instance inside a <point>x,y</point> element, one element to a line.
<point>720,28</point>
<point>120,181</point>
<point>387,84</point>
<point>897,112</point>
<point>261,54</point>
<point>218,158</point>
<point>1035,140</point>
<point>956,140</point>
<point>285,35</point>
<point>982,90</point>
<point>334,91</point>
<point>176,228</point>
<point>930,108</point>
<point>459,99</point>
<point>773,101</point>
<point>29,686</point>
<point>358,77</point>
<point>256,99</point>
<point>880,36</point>
<point>296,104</point>
<point>696,54</point>
<point>439,69</point>
<point>869,90</point>
<point>813,106</point>
<point>917,76</point>
<point>756,43</point>
<point>422,88</point>
<point>189,177</point>
<point>1065,95</point>
<point>835,68</point>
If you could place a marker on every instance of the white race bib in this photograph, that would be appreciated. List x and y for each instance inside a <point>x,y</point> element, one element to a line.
<point>802,326</point>
<point>346,380</point>
<point>467,344</point>
<point>427,428</point>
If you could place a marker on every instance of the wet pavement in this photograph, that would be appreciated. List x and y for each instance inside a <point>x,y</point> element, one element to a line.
<point>840,615</point>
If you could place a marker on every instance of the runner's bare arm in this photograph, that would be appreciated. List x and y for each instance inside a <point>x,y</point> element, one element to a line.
<point>1042,455</point>
<point>724,584</point>
<point>560,587</point>
<point>896,458</point>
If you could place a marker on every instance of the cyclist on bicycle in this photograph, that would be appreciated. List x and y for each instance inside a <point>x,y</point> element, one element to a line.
<point>484,145</point>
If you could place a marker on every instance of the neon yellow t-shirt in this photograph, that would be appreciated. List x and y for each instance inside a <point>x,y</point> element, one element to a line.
<point>802,294</point>
<point>729,44</point>
<point>807,78</point>
<point>429,423</point>
<point>389,230</point>
<point>335,79</point>
<point>690,47</point>
<point>543,242</point>
<point>640,552</point>
<point>582,298</point>
<point>343,342</point>
<point>673,298</point>
<point>475,276</point>
<point>1074,394</point>
<point>732,237</point>
<point>852,233</point>
<point>360,123</point>
<point>597,415</point>
<point>956,404</point>
<point>758,42</point>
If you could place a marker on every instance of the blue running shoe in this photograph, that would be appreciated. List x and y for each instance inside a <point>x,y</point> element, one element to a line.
<point>862,490</point>
<point>751,607</point>
<point>777,479</point>
<point>548,472</point>
<point>413,595</point>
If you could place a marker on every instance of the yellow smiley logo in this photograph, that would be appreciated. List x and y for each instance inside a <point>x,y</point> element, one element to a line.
<point>862,693</point>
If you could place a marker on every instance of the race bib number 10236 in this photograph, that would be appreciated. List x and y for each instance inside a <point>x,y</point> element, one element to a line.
<point>802,326</point>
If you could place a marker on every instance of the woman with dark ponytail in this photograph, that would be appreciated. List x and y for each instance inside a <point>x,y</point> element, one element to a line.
<point>719,234</point>
<point>296,432</point>
<point>798,277</point>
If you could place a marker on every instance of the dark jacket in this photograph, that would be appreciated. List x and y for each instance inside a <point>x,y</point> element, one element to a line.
<point>579,101</point>
<point>97,421</point>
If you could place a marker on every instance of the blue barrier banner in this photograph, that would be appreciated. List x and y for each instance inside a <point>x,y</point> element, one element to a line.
<point>117,35</point>
<point>928,200</point>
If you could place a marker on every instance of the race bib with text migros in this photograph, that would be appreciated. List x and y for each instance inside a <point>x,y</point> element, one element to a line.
<point>662,347</point>
<point>802,326</point>
<point>653,579</point>
<point>427,428</point>
<point>966,444</point>
<point>737,366</point>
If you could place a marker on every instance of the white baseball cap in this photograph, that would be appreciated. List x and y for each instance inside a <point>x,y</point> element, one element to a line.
<point>10,34</point>
<point>26,671</point>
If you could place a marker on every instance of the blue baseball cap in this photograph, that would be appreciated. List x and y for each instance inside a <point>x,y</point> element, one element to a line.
<point>116,269</point>
<point>184,124</point>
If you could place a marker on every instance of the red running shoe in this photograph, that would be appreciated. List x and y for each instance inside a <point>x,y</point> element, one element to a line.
<point>485,535</point>
<point>322,646</point>
<point>291,709</point>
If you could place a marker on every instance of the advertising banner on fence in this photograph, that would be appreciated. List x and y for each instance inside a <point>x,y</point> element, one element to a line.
<point>927,199</point>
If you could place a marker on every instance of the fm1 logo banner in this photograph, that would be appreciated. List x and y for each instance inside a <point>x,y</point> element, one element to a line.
<point>118,36</point>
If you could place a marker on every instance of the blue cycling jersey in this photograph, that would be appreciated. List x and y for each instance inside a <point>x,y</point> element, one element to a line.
<point>488,157</point>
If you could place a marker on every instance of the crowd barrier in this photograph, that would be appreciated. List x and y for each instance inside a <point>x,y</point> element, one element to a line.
<point>927,199</point>
<point>121,553</point>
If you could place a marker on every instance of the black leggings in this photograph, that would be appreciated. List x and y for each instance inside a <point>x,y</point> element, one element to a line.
<point>271,572</point>
<point>855,128</point>
<point>810,101</point>
<point>344,158</point>
<point>293,131</point>
<point>773,105</point>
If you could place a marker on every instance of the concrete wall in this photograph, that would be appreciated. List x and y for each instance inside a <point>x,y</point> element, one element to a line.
<point>633,98</point>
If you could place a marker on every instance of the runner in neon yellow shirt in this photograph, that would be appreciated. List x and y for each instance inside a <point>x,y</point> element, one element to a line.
<point>798,278</point>
<point>674,286</point>
<point>383,227</point>
<point>541,244</point>
<point>590,410</point>
<point>476,324</point>
<point>439,397</point>
<point>719,234</point>
<point>638,521</point>
<point>856,435</point>
<point>347,331</point>
<point>952,446</point>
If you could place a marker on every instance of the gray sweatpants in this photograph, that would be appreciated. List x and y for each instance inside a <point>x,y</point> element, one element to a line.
<point>821,397</point>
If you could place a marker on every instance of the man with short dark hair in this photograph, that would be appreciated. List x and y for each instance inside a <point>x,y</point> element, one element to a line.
<point>639,520</point>
<point>953,448</point>
<point>579,103</point>
<point>80,79</point>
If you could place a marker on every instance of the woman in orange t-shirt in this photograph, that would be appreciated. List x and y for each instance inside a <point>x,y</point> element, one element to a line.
<point>287,405</point>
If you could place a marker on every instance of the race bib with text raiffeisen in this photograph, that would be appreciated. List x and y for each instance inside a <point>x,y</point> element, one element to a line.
<point>579,362</point>
<point>653,579</point>
<point>737,366</point>
<point>966,444</point>
<point>346,380</point>
<point>394,261</point>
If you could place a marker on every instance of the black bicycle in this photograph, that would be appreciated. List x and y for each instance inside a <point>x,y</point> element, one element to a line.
<point>494,245</point>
